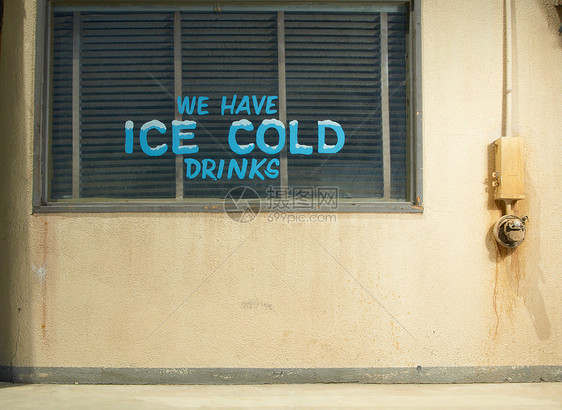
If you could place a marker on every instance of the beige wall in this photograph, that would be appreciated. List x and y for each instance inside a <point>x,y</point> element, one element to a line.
<point>369,290</point>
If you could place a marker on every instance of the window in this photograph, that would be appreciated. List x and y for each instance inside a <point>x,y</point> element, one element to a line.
<point>170,108</point>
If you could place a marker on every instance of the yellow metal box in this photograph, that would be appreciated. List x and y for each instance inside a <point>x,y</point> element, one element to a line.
<point>510,181</point>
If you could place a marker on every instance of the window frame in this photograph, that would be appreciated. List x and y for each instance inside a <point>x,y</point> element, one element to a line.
<point>40,203</point>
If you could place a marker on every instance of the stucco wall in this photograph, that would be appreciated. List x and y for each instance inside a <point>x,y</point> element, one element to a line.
<point>367,290</point>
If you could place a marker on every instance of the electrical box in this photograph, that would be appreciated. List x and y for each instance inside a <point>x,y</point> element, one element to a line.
<point>509,173</point>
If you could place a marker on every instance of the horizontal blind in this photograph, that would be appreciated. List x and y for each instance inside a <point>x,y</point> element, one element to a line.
<point>226,54</point>
<point>61,122</point>
<point>127,73</point>
<point>333,73</point>
<point>397,74</point>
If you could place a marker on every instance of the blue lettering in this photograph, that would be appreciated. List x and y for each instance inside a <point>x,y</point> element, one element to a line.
<point>240,149</point>
<point>270,105</point>
<point>147,149</point>
<point>260,136</point>
<point>178,136</point>
<point>295,147</point>
<point>202,104</point>
<point>269,172</point>
<point>258,107</point>
<point>244,105</point>
<point>324,148</point>
<point>240,171</point>
<point>184,106</point>
<point>225,106</point>
<point>208,167</point>
<point>221,169</point>
<point>129,137</point>
<point>254,170</point>
<point>188,172</point>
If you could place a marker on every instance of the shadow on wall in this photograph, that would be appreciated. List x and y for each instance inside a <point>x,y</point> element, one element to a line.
<point>518,271</point>
<point>553,16</point>
<point>15,128</point>
<point>493,207</point>
<point>531,263</point>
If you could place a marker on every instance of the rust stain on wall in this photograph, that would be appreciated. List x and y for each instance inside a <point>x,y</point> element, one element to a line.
<point>495,297</point>
<point>507,283</point>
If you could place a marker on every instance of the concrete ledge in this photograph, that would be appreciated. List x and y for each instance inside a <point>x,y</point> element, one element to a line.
<point>423,375</point>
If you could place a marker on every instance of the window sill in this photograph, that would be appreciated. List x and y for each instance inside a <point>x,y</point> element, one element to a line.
<point>219,206</point>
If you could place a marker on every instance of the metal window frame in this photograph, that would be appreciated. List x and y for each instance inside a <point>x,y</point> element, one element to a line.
<point>42,105</point>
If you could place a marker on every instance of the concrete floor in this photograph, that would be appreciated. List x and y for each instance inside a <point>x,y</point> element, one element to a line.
<point>480,396</point>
